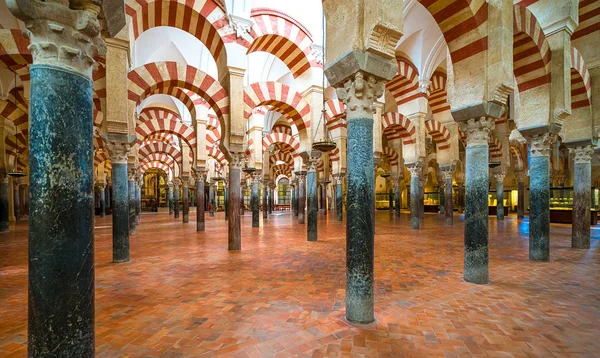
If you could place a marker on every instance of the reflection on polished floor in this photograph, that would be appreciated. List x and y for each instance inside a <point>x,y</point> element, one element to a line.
<point>183,294</point>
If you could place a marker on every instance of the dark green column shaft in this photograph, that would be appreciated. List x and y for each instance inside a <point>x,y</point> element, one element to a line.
<point>186,201</point>
<point>360,228</point>
<point>61,223</point>
<point>200,223</point>
<point>3,202</point>
<point>312,206</point>
<point>476,214</point>
<point>415,195</point>
<point>539,204</point>
<point>255,204</point>
<point>582,201</point>
<point>339,200</point>
<point>499,196</point>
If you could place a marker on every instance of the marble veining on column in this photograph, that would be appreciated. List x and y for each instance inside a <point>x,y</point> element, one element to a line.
<point>235,202</point>
<point>301,197</point>
<point>415,172</point>
<point>312,202</point>
<point>582,196</point>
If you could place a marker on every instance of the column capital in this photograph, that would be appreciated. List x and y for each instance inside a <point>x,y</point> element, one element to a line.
<point>237,161</point>
<point>478,129</point>
<point>312,165</point>
<point>499,177</point>
<point>359,94</point>
<point>185,181</point>
<point>415,170</point>
<point>61,33</point>
<point>176,183</point>
<point>541,144</point>
<point>520,176</point>
<point>582,155</point>
<point>118,151</point>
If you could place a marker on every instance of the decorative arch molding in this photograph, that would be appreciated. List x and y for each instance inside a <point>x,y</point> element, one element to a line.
<point>404,87</point>
<point>581,85</point>
<point>495,149</point>
<point>203,19</point>
<point>392,156</point>
<point>149,148</point>
<point>18,117</point>
<point>155,165</point>
<point>395,126</point>
<point>439,133</point>
<point>282,99</point>
<point>276,137</point>
<point>531,51</point>
<point>164,76</point>
<point>438,98</point>
<point>181,95</point>
<point>167,125</point>
<point>158,157</point>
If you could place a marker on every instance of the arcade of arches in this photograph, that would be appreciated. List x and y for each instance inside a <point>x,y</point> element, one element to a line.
<point>366,178</point>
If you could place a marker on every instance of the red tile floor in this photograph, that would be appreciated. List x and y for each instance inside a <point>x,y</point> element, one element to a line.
<point>184,295</point>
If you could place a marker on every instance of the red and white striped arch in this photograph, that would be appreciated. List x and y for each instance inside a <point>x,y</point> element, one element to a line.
<point>276,137</point>
<point>155,165</point>
<point>282,98</point>
<point>17,97</point>
<point>215,153</point>
<point>147,148</point>
<point>14,49</point>
<point>439,133</point>
<point>149,113</point>
<point>404,87</point>
<point>335,115</point>
<point>169,124</point>
<point>164,76</point>
<point>392,156</point>
<point>531,52</point>
<point>100,156</point>
<point>181,95</point>
<point>282,128</point>
<point>581,84</point>
<point>589,19</point>
<point>19,118</point>
<point>281,36</point>
<point>158,157</point>
<point>438,98</point>
<point>495,148</point>
<point>463,25</point>
<point>162,137</point>
<point>203,19</point>
<point>282,156</point>
<point>397,126</point>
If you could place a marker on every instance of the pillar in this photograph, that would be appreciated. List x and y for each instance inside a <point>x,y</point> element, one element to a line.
<point>390,196</point>
<point>235,202</point>
<point>582,196</point>
<point>170,197</point>
<point>339,199</point>
<point>312,201</point>
<point>16,200</point>
<point>415,194</point>
<point>520,194</point>
<point>226,199</point>
<point>200,223</point>
<point>254,201</point>
<point>359,94</point>
<point>186,200</point>
<point>540,143</point>
<point>477,183</point>
<point>265,204</point>
<point>138,202</point>
<point>324,197</point>
<point>449,209</point>
<point>61,225</point>
<point>422,180</point>
<point>242,199</point>
<point>297,197</point>
<point>102,188</point>
<point>271,198</point>
<point>176,184</point>
<point>461,198</point>
<point>301,196</point>
<point>499,195</point>
<point>120,201</point>
<point>398,198</point>
<point>131,206</point>
<point>442,197</point>
<point>3,202</point>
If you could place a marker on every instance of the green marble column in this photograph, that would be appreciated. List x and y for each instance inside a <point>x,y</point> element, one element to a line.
<point>499,195</point>
<point>254,202</point>
<point>312,206</point>
<point>582,200</point>
<point>415,195</point>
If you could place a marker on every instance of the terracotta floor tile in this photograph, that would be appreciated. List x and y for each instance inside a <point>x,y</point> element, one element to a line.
<point>184,295</point>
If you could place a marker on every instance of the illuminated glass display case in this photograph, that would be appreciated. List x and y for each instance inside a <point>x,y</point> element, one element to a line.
<point>561,204</point>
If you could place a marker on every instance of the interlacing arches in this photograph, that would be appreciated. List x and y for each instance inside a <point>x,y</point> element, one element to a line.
<point>396,126</point>
<point>181,95</point>
<point>335,115</point>
<point>164,76</point>
<point>404,87</point>
<point>516,157</point>
<point>282,156</point>
<point>438,98</point>
<point>463,25</point>
<point>283,99</point>
<point>203,19</point>
<point>439,133</point>
<point>283,37</point>
<point>159,157</point>
<point>277,137</point>
<point>581,85</point>
<point>169,124</point>
<point>531,52</point>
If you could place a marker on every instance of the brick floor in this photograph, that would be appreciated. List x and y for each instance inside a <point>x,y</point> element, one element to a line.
<point>185,295</point>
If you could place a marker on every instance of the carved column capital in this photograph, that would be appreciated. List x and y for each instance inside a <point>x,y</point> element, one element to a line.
<point>237,161</point>
<point>176,183</point>
<point>118,151</point>
<point>541,144</point>
<point>415,171</point>
<point>60,33</point>
<point>500,177</point>
<point>477,130</point>
<point>520,176</point>
<point>360,93</point>
<point>582,155</point>
<point>312,165</point>
<point>185,181</point>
